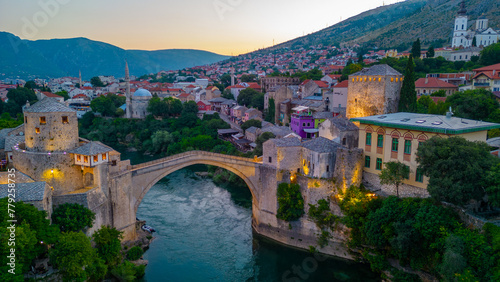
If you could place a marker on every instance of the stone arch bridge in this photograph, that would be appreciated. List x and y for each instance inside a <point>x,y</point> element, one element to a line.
<point>128,184</point>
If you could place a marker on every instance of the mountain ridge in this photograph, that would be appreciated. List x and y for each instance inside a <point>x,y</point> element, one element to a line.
<point>67,56</point>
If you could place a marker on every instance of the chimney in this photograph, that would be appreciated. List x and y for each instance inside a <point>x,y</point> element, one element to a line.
<point>449,114</point>
<point>426,80</point>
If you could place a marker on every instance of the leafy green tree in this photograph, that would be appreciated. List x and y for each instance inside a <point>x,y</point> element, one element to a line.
<point>246,97</point>
<point>17,99</point>
<point>73,217</point>
<point>161,139</point>
<point>135,253</point>
<point>97,270</point>
<point>249,123</point>
<point>290,202</point>
<point>439,93</point>
<point>423,104</point>
<point>271,110</point>
<point>190,107</point>
<point>453,259</point>
<point>225,80</point>
<point>415,49</point>
<point>478,104</point>
<point>107,242</point>
<point>490,55</point>
<point>30,85</point>
<point>456,168</point>
<point>127,271</point>
<point>227,94</point>
<point>493,187</point>
<point>258,101</point>
<point>96,82</point>
<point>72,254</point>
<point>63,94</point>
<point>249,78</point>
<point>394,173</point>
<point>430,52</point>
<point>103,105</point>
<point>408,99</point>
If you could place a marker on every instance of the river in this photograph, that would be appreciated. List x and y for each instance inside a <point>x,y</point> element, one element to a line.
<point>204,234</point>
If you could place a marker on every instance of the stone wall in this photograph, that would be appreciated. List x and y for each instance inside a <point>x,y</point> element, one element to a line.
<point>54,135</point>
<point>372,183</point>
<point>348,167</point>
<point>373,95</point>
<point>56,169</point>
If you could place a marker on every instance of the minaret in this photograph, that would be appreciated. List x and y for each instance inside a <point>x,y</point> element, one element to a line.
<point>80,76</point>
<point>127,94</point>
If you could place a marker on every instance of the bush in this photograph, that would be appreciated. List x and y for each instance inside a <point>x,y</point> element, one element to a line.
<point>135,253</point>
<point>290,201</point>
<point>72,217</point>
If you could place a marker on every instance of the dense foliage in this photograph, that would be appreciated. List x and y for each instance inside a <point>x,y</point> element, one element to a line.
<point>33,233</point>
<point>420,233</point>
<point>251,98</point>
<point>457,169</point>
<point>168,107</point>
<point>73,217</point>
<point>160,136</point>
<point>108,244</point>
<point>17,98</point>
<point>252,122</point>
<point>408,100</point>
<point>290,202</point>
<point>271,111</point>
<point>108,105</point>
<point>135,253</point>
<point>324,219</point>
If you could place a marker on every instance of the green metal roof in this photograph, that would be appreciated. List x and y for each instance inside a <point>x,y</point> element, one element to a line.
<point>428,123</point>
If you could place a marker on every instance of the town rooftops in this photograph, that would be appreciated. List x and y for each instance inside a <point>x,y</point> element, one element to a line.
<point>252,129</point>
<point>3,135</point>
<point>26,192</point>
<point>429,123</point>
<point>217,100</point>
<point>321,145</point>
<point>343,84</point>
<point>322,115</point>
<point>11,141</point>
<point>48,105</point>
<point>92,148</point>
<point>377,70</point>
<point>433,82</point>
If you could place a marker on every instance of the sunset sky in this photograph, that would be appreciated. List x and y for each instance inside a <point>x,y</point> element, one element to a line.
<point>228,27</point>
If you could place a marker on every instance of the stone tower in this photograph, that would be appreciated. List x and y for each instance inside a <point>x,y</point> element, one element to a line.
<point>460,37</point>
<point>127,94</point>
<point>51,132</point>
<point>373,91</point>
<point>50,126</point>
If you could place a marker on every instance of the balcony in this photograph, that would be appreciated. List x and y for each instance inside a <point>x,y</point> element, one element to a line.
<point>481,84</point>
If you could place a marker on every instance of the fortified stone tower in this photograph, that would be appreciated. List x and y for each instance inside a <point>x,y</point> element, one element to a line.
<point>373,91</point>
<point>50,126</point>
<point>51,131</point>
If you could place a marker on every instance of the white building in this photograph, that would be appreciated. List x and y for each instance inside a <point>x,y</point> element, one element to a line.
<point>463,37</point>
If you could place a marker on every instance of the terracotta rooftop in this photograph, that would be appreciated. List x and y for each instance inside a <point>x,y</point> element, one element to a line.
<point>433,82</point>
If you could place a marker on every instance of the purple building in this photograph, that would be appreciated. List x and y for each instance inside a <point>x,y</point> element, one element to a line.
<point>302,122</point>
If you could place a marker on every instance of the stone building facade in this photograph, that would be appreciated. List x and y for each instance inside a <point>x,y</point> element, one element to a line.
<point>373,91</point>
<point>340,130</point>
<point>269,82</point>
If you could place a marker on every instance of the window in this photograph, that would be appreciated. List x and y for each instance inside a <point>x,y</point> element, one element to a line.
<point>43,120</point>
<point>367,161</point>
<point>408,147</point>
<point>270,159</point>
<point>395,143</point>
<point>65,119</point>
<point>303,124</point>
<point>37,130</point>
<point>368,139</point>
<point>85,159</point>
<point>103,157</point>
<point>78,158</point>
<point>344,141</point>
<point>25,119</point>
<point>379,164</point>
<point>419,176</point>
<point>380,141</point>
<point>96,159</point>
<point>327,168</point>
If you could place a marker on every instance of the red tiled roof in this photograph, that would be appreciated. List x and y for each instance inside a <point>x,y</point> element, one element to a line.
<point>321,84</point>
<point>80,96</point>
<point>436,99</point>
<point>51,95</point>
<point>342,84</point>
<point>334,76</point>
<point>489,68</point>
<point>432,82</point>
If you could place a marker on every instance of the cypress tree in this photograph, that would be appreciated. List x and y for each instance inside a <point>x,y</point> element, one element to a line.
<point>415,49</point>
<point>430,52</point>
<point>408,99</point>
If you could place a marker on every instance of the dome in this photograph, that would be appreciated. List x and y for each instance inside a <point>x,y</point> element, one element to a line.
<point>142,93</point>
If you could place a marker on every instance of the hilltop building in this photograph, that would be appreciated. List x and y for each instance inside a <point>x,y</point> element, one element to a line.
<point>463,37</point>
<point>373,91</point>
<point>136,105</point>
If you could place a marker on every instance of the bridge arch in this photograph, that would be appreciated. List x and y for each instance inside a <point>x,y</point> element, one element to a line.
<point>146,175</point>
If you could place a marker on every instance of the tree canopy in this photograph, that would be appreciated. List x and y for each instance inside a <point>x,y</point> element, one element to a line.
<point>456,168</point>
<point>249,123</point>
<point>408,99</point>
<point>394,173</point>
<point>107,105</point>
<point>490,55</point>
<point>416,48</point>
<point>478,104</point>
<point>251,98</point>
<point>290,202</point>
<point>73,217</point>
<point>96,82</point>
